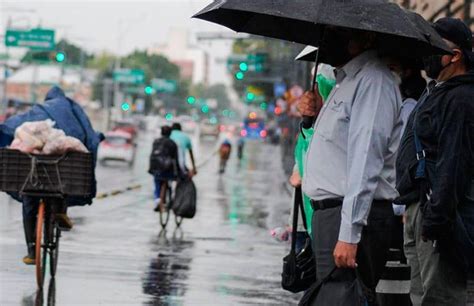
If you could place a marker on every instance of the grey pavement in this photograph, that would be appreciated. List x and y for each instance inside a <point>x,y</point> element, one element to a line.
<point>116,255</point>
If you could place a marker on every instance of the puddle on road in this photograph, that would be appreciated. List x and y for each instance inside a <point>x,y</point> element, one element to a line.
<point>165,279</point>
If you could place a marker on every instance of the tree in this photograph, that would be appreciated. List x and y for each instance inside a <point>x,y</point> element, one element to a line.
<point>75,55</point>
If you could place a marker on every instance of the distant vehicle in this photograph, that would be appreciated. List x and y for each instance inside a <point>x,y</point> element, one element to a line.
<point>207,128</point>
<point>117,146</point>
<point>187,124</point>
<point>127,127</point>
<point>253,127</point>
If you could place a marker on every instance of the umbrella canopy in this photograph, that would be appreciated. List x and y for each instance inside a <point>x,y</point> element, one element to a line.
<point>302,21</point>
<point>308,54</point>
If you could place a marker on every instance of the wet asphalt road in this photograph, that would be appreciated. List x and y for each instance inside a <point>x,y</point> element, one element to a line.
<point>116,254</point>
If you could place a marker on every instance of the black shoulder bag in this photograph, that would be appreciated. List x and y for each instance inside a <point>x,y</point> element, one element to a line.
<point>299,270</point>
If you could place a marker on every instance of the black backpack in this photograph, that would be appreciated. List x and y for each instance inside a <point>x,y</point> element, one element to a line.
<point>162,158</point>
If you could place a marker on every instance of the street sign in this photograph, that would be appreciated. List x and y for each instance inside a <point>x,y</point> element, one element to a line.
<point>129,76</point>
<point>34,39</point>
<point>162,85</point>
<point>250,62</point>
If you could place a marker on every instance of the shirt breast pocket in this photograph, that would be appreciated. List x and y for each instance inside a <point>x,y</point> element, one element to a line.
<point>334,123</point>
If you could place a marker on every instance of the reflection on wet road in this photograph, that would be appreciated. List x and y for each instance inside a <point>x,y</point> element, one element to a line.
<point>116,253</point>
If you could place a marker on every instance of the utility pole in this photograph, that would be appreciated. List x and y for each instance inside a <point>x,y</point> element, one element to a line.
<point>107,84</point>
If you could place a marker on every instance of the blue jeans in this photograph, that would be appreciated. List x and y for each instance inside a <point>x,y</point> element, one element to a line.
<point>159,179</point>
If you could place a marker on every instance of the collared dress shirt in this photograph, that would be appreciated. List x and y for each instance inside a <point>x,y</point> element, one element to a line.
<point>353,151</point>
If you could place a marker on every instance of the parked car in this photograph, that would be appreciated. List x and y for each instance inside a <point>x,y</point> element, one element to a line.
<point>117,146</point>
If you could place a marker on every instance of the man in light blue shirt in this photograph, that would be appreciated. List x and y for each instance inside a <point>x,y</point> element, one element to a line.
<point>350,164</point>
<point>184,144</point>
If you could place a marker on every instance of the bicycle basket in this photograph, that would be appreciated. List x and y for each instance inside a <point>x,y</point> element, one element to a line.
<point>70,174</point>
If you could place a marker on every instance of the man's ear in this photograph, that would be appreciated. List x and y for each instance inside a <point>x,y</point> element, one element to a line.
<point>457,56</point>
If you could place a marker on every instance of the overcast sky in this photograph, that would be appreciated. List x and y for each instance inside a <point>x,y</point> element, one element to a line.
<point>97,25</point>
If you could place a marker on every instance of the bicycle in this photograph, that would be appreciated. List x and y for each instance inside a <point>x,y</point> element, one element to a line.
<point>47,242</point>
<point>167,205</point>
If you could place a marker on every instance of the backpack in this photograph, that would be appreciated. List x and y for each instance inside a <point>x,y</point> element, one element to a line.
<point>162,159</point>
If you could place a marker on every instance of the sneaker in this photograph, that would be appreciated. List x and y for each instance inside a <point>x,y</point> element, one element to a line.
<point>64,223</point>
<point>28,260</point>
<point>157,205</point>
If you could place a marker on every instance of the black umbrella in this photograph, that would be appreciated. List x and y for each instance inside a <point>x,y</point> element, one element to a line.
<point>303,21</point>
<point>308,54</point>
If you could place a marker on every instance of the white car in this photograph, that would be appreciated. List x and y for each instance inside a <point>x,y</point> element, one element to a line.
<point>117,146</point>
<point>209,129</point>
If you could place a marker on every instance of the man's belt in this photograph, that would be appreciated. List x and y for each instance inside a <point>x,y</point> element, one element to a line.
<point>331,203</point>
<point>325,204</point>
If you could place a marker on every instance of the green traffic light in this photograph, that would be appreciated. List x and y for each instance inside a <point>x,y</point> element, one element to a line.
<point>240,75</point>
<point>125,106</point>
<point>244,67</point>
<point>169,117</point>
<point>263,106</point>
<point>205,109</point>
<point>250,96</point>
<point>149,90</point>
<point>191,100</point>
<point>60,57</point>
<point>213,120</point>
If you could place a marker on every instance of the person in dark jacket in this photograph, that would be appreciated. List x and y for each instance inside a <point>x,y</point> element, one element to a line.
<point>435,168</point>
<point>164,165</point>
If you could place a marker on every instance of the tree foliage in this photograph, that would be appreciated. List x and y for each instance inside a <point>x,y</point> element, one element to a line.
<point>74,54</point>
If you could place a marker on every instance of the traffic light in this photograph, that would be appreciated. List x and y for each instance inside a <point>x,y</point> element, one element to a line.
<point>205,109</point>
<point>169,117</point>
<point>250,96</point>
<point>244,67</point>
<point>191,100</point>
<point>263,105</point>
<point>125,106</point>
<point>240,75</point>
<point>60,57</point>
<point>149,90</point>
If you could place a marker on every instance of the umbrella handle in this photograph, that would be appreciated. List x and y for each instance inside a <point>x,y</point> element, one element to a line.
<point>307,121</point>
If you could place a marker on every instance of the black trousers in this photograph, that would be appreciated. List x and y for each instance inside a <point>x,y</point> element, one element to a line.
<point>372,250</point>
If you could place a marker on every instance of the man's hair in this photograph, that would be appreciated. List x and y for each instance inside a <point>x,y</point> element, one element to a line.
<point>176,126</point>
<point>166,131</point>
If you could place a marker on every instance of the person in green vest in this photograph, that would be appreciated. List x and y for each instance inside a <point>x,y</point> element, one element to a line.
<point>325,83</point>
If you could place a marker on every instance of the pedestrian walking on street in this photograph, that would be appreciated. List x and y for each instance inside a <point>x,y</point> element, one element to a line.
<point>435,175</point>
<point>350,164</point>
<point>164,164</point>
<point>224,154</point>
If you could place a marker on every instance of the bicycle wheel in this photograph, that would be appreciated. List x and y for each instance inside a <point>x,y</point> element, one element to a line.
<point>54,248</point>
<point>40,246</point>
<point>165,210</point>
<point>178,220</point>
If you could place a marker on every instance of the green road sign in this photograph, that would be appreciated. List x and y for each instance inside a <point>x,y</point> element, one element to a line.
<point>34,39</point>
<point>129,76</point>
<point>162,85</point>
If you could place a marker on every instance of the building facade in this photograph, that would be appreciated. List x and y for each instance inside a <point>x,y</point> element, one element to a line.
<point>435,9</point>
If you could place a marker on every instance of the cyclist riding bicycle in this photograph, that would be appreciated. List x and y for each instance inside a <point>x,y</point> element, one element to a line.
<point>70,118</point>
<point>164,165</point>
<point>184,144</point>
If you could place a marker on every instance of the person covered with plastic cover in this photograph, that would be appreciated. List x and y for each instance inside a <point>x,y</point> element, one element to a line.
<point>164,165</point>
<point>71,120</point>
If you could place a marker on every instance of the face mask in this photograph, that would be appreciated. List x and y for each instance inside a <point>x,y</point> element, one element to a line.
<point>334,48</point>
<point>433,66</point>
